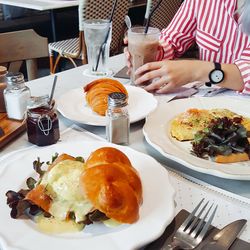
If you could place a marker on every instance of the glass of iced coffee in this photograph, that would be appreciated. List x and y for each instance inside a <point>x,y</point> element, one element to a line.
<point>142,47</point>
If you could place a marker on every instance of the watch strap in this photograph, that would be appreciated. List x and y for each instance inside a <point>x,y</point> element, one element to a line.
<point>208,84</point>
<point>216,66</point>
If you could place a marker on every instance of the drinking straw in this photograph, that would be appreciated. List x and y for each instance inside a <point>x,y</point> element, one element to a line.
<point>107,35</point>
<point>53,90</point>
<point>149,4</point>
<point>150,15</point>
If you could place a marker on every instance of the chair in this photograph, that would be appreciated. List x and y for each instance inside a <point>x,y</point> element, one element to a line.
<point>163,16</point>
<point>164,13</point>
<point>19,46</point>
<point>90,9</point>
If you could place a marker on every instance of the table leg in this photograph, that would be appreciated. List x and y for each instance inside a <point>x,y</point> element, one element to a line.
<point>53,24</point>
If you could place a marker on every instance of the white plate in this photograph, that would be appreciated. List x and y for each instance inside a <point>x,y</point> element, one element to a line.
<point>73,106</point>
<point>157,133</point>
<point>156,211</point>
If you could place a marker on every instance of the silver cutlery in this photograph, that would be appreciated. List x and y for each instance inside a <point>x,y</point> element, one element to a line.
<point>192,231</point>
<point>214,92</point>
<point>226,236</point>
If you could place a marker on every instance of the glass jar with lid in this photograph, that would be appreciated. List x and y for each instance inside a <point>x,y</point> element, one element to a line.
<point>3,85</point>
<point>16,96</point>
<point>42,121</point>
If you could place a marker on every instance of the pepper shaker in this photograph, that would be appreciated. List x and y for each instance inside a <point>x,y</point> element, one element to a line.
<point>117,116</point>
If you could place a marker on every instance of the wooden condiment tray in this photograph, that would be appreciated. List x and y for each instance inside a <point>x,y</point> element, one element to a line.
<point>11,129</point>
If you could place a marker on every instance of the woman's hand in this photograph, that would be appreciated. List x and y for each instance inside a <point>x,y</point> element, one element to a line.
<point>168,75</point>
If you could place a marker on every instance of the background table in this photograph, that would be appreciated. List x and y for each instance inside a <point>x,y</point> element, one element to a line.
<point>42,5</point>
<point>53,5</point>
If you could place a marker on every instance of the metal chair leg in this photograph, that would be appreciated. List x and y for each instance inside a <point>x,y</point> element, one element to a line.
<point>56,63</point>
<point>51,63</point>
<point>73,62</point>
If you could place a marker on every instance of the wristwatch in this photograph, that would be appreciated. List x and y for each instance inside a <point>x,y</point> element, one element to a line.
<point>216,75</point>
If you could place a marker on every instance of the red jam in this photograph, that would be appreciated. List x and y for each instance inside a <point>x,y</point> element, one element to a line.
<point>42,125</point>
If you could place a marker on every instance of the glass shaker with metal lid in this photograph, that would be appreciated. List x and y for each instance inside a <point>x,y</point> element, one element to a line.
<point>117,126</point>
<point>3,85</point>
<point>42,121</point>
<point>16,96</point>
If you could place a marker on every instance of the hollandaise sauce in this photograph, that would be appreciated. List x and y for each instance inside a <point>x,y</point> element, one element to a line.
<point>54,226</point>
<point>63,185</point>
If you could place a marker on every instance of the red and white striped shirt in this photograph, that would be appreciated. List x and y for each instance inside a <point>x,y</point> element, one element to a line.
<point>213,25</point>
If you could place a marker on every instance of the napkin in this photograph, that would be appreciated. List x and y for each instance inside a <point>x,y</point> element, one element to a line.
<point>175,224</point>
<point>122,73</point>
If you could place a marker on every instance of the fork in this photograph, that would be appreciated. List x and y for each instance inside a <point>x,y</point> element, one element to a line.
<point>191,232</point>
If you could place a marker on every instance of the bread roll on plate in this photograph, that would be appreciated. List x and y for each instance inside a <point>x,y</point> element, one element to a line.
<point>97,93</point>
<point>107,155</point>
<point>112,185</point>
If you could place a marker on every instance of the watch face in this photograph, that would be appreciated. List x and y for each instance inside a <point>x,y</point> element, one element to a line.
<point>216,76</point>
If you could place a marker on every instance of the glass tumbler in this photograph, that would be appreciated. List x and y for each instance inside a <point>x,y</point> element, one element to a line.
<point>142,47</point>
<point>97,35</point>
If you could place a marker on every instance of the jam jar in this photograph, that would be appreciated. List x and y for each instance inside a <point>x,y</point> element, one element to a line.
<point>42,121</point>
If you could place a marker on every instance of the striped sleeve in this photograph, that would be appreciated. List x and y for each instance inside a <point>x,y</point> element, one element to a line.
<point>244,67</point>
<point>180,33</point>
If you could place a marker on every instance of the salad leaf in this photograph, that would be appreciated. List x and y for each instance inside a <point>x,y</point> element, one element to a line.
<point>223,136</point>
<point>37,165</point>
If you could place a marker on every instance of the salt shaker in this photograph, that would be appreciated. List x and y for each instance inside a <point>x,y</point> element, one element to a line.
<point>16,96</point>
<point>3,85</point>
<point>118,125</point>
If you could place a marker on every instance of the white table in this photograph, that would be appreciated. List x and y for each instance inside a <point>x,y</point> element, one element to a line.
<point>50,5</point>
<point>74,78</point>
<point>237,194</point>
<point>41,4</point>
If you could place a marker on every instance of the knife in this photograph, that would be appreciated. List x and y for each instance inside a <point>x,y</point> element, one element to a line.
<point>225,237</point>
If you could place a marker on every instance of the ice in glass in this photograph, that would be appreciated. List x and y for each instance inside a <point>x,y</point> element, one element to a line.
<point>95,32</point>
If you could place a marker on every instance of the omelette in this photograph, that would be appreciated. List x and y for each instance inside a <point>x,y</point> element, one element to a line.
<point>185,125</point>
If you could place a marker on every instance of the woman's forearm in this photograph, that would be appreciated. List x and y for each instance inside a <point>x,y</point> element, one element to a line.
<point>170,74</point>
<point>232,76</point>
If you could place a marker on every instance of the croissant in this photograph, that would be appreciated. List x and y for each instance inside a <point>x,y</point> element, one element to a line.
<point>107,155</point>
<point>112,185</point>
<point>97,93</point>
